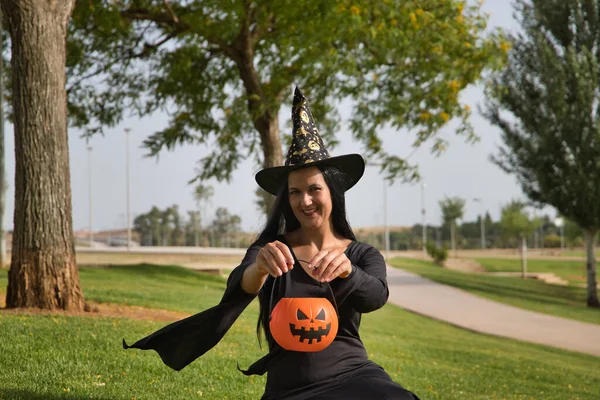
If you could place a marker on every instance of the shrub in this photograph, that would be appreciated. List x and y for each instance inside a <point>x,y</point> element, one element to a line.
<point>439,254</point>
<point>552,241</point>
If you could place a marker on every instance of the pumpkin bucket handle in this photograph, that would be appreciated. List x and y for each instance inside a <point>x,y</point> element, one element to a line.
<point>337,313</point>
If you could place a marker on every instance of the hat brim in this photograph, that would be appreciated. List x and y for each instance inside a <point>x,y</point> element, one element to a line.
<point>273,179</point>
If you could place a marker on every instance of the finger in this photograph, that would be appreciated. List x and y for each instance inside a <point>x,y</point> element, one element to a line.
<point>333,269</point>
<point>335,273</point>
<point>278,256</point>
<point>270,263</point>
<point>325,264</point>
<point>314,262</point>
<point>286,252</point>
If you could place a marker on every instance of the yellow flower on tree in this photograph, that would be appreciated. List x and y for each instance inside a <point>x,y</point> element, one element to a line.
<point>505,46</point>
<point>454,85</point>
<point>444,116</point>
<point>413,18</point>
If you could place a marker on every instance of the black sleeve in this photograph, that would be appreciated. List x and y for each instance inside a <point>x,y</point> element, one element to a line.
<point>183,341</point>
<point>234,282</point>
<point>366,287</point>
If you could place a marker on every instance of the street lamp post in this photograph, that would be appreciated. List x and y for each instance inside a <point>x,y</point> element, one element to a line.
<point>560,222</point>
<point>385,222</point>
<point>481,222</point>
<point>91,230</point>
<point>424,227</point>
<point>385,217</point>
<point>127,130</point>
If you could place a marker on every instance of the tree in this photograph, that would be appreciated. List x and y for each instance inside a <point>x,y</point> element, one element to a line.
<point>264,200</point>
<point>193,228</point>
<point>202,195</point>
<point>43,272</point>
<point>3,184</point>
<point>573,233</point>
<point>546,104</point>
<point>452,209</point>
<point>155,217</point>
<point>142,224</point>
<point>515,223</point>
<point>224,225</point>
<point>222,70</point>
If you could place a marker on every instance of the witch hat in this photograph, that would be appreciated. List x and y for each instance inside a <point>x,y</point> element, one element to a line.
<point>308,150</point>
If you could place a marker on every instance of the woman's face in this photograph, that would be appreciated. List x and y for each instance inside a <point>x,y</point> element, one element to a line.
<point>309,197</point>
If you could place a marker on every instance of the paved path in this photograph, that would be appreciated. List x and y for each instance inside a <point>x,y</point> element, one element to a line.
<point>423,296</point>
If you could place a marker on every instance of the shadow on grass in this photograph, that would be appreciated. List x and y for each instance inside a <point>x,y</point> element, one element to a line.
<point>24,394</point>
<point>160,271</point>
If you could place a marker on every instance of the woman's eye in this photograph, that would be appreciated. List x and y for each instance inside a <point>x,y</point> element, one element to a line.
<point>315,189</point>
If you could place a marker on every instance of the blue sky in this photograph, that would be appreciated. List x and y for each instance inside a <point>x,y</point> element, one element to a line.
<point>463,170</point>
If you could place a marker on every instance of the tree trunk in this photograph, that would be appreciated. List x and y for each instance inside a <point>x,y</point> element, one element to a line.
<point>592,288</point>
<point>523,257</point>
<point>43,271</point>
<point>263,111</point>
<point>2,173</point>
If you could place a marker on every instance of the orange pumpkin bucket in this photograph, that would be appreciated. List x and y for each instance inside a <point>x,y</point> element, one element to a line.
<point>304,324</point>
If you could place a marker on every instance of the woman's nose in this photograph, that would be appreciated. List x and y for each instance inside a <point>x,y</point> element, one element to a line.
<point>306,200</point>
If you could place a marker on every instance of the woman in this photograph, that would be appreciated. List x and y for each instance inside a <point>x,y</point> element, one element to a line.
<point>307,251</point>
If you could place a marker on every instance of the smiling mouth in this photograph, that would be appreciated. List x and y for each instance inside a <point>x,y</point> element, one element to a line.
<point>309,213</point>
<point>310,334</point>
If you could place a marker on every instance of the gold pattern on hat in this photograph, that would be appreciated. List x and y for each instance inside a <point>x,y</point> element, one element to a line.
<point>304,116</point>
<point>313,145</point>
<point>302,131</point>
<point>299,153</point>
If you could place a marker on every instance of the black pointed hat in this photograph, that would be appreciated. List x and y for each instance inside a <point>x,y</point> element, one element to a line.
<point>308,150</point>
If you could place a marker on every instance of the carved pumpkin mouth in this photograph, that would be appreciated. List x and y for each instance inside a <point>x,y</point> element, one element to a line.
<point>310,334</point>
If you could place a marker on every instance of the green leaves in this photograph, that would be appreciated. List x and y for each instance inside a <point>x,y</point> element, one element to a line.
<point>222,70</point>
<point>514,220</point>
<point>546,103</point>
<point>453,208</point>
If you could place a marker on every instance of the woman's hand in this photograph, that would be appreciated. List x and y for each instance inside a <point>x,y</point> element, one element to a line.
<point>329,264</point>
<point>274,259</point>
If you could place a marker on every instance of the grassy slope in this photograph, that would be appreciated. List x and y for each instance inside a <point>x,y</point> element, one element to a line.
<point>52,357</point>
<point>573,271</point>
<point>562,301</point>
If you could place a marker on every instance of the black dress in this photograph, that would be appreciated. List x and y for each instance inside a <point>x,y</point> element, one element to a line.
<point>341,371</point>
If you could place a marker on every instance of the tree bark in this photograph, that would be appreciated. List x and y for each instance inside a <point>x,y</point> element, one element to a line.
<point>43,270</point>
<point>592,288</point>
<point>2,173</point>
<point>265,120</point>
<point>264,115</point>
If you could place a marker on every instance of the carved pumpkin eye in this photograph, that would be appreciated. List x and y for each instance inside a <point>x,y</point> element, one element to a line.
<point>321,315</point>
<point>300,315</point>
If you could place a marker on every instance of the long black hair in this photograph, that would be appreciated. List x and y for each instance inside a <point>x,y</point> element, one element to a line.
<point>282,220</point>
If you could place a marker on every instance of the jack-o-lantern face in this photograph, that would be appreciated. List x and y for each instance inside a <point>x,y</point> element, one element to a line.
<point>304,324</point>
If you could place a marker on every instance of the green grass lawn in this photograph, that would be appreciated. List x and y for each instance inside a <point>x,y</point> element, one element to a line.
<point>562,301</point>
<point>56,357</point>
<point>572,271</point>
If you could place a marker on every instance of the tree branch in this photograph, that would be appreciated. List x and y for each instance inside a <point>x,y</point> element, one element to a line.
<point>175,19</point>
